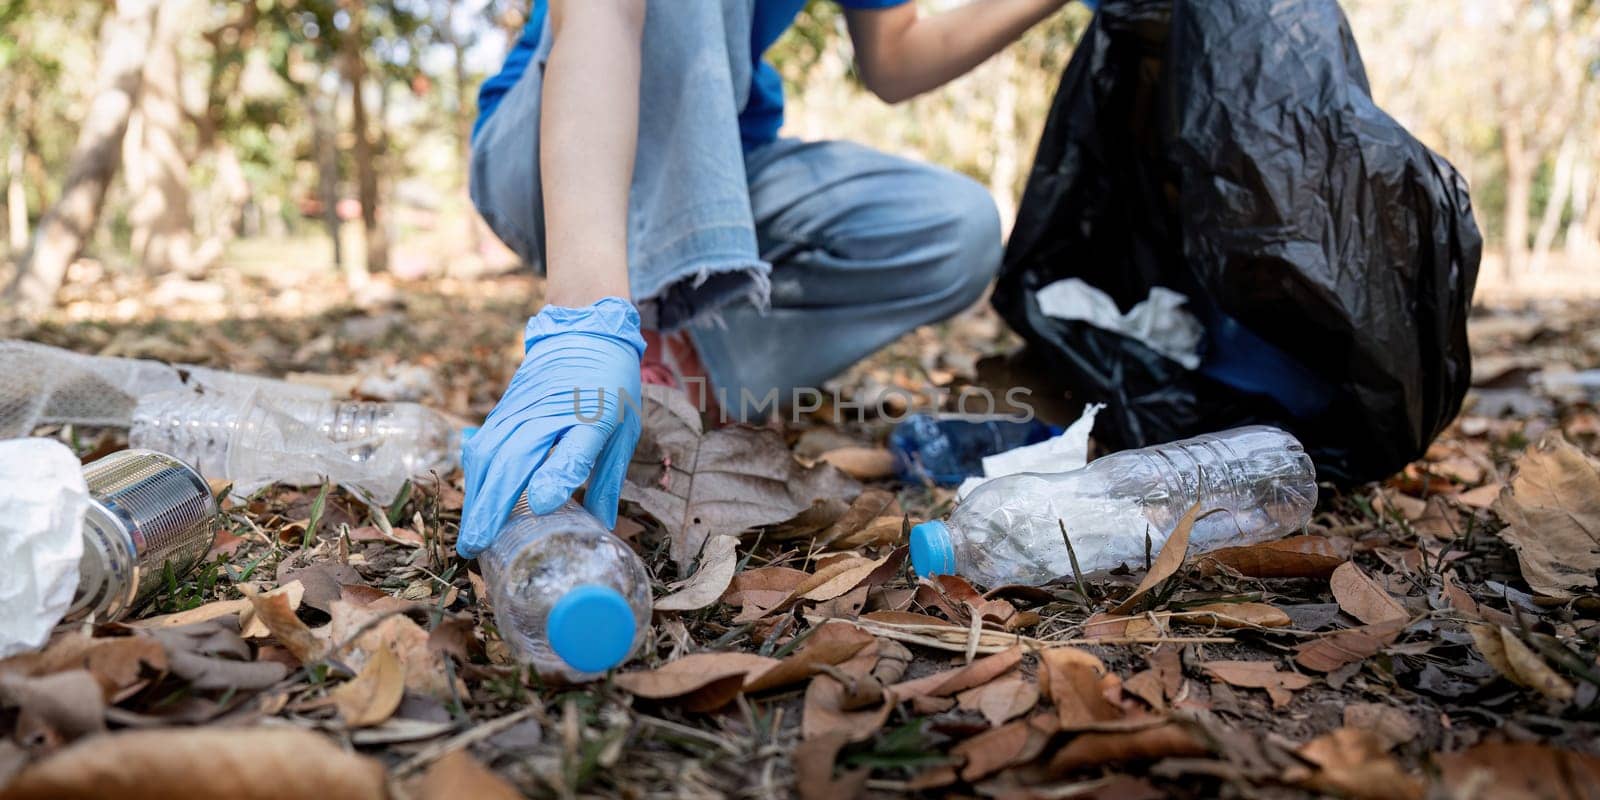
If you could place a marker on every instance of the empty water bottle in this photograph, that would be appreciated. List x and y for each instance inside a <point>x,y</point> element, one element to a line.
<point>569,597</point>
<point>257,438</point>
<point>1009,530</point>
<point>949,449</point>
<point>42,385</point>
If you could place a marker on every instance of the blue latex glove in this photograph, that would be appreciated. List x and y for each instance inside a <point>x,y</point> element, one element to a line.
<point>540,439</point>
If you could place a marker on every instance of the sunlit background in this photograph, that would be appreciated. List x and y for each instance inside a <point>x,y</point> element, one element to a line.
<point>278,152</point>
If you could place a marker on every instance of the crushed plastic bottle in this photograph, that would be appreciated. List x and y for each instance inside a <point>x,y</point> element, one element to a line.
<point>569,597</point>
<point>1009,529</point>
<point>257,438</point>
<point>947,450</point>
<point>41,385</point>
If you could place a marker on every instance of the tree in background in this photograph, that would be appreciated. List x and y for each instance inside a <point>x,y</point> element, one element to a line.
<point>66,227</point>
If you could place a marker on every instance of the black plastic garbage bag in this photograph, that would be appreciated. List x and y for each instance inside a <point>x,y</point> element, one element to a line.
<point>1230,150</point>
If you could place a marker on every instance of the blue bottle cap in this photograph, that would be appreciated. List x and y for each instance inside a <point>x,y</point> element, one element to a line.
<point>932,552</point>
<point>591,628</point>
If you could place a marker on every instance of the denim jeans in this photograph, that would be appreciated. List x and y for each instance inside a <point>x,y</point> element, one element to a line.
<point>864,247</point>
<point>793,260</point>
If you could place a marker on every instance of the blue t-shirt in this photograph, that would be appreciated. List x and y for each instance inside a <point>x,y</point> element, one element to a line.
<point>762,115</point>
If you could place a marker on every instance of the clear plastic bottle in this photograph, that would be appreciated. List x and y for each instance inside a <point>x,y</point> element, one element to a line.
<point>568,597</point>
<point>257,438</point>
<point>1009,529</point>
<point>41,385</point>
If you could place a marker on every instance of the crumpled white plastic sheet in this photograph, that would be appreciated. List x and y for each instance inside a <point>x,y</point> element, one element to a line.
<point>1062,453</point>
<point>1159,321</point>
<point>43,498</point>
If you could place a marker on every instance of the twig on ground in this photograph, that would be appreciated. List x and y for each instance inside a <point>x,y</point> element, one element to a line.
<point>465,738</point>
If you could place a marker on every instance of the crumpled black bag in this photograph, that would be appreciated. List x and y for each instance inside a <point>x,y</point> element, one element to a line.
<point>1230,150</point>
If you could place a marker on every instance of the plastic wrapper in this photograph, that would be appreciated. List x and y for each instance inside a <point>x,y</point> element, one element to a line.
<point>1230,151</point>
<point>43,498</point>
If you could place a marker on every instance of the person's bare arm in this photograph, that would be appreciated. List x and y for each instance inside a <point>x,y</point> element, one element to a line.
<point>902,55</point>
<point>588,131</point>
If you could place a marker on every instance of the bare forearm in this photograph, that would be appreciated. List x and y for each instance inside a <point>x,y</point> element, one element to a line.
<point>901,55</point>
<point>588,132</point>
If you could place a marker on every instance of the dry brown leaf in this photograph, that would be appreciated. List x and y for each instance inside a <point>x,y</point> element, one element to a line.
<point>1328,653</point>
<point>1280,686</point>
<point>55,708</point>
<point>1458,597</point>
<point>717,565</point>
<point>1518,771</point>
<point>1294,557</point>
<point>761,591</point>
<point>252,628</point>
<point>1552,515</point>
<point>372,696</point>
<point>1234,615</point>
<point>873,519</point>
<point>1166,563</point>
<point>847,701</point>
<point>1098,748</point>
<point>1518,663</point>
<point>459,776</point>
<point>212,657</point>
<point>277,763</point>
<point>813,769</point>
<point>839,577</point>
<point>727,480</point>
<point>1355,763</point>
<point>949,682</point>
<point>1361,597</point>
<point>833,643</point>
<point>1392,726</point>
<point>862,463</point>
<point>424,665</point>
<point>117,662</point>
<point>275,610</point>
<point>1076,682</point>
<point>705,681</point>
<point>869,506</point>
<point>1013,743</point>
<point>400,536</point>
<point>207,612</point>
<point>1481,497</point>
<point>1002,699</point>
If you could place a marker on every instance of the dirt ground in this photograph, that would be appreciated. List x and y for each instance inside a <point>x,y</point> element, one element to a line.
<point>1399,648</point>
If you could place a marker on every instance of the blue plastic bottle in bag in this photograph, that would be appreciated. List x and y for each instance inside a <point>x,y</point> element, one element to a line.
<point>949,449</point>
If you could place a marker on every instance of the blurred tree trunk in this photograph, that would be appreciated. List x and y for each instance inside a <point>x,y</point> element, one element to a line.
<point>230,191</point>
<point>1589,231</point>
<point>322,142</point>
<point>1519,194</point>
<point>158,162</point>
<point>1556,204</point>
<point>464,108</point>
<point>355,75</point>
<point>63,230</point>
<point>1582,176</point>
<point>16,199</point>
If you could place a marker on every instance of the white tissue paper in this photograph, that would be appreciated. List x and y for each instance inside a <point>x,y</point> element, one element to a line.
<point>42,502</point>
<point>1159,321</point>
<point>1065,452</point>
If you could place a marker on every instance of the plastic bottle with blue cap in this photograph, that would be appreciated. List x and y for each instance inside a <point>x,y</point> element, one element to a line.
<point>1009,530</point>
<point>569,597</point>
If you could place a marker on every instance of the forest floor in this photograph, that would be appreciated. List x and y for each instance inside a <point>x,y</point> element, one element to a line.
<point>1398,648</point>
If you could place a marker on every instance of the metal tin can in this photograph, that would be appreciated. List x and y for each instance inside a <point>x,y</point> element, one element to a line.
<point>148,513</point>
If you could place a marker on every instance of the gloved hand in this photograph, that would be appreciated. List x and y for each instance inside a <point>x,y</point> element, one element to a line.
<point>542,438</point>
